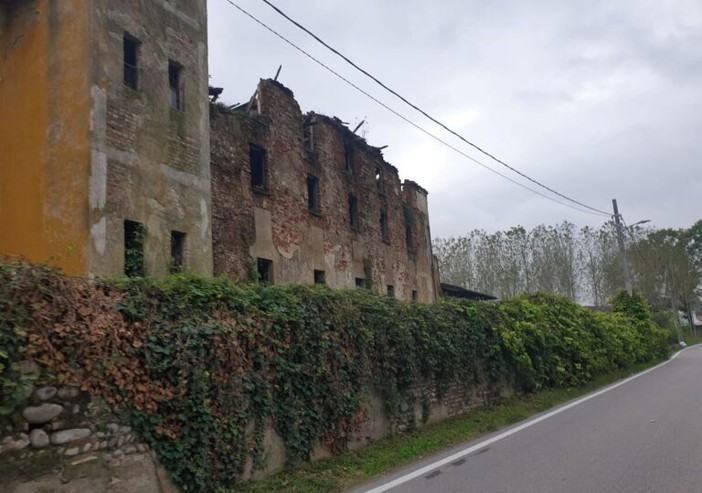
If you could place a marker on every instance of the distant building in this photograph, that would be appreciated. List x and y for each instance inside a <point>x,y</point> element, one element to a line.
<point>107,167</point>
<point>451,291</point>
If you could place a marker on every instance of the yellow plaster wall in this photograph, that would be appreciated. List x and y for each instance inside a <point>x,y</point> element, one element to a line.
<point>44,132</point>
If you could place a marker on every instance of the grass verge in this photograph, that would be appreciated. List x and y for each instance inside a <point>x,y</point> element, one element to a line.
<point>342,472</point>
<point>692,339</point>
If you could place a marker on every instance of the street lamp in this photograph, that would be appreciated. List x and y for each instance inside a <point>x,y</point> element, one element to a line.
<point>636,224</point>
<point>620,240</point>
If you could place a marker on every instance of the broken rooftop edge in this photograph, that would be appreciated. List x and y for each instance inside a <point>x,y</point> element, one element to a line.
<point>333,121</point>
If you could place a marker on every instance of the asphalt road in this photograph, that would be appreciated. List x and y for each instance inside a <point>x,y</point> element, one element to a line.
<point>641,435</point>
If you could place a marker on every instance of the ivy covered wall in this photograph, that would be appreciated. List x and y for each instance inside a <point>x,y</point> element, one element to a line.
<point>202,369</point>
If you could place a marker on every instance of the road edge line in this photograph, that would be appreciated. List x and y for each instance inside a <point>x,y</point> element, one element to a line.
<point>473,448</point>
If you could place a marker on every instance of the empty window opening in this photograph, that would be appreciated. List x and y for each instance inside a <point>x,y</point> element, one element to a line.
<point>348,156</point>
<point>379,178</point>
<point>384,225</point>
<point>257,157</point>
<point>360,283</point>
<point>134,234</point>
<point>391,291</point>
<point>409,227</point>
<point>174,84</point>
<point>408,236</point>
<point>265,270</point>
<point>308,136</point>
<point>177,251</point>
<point>313,194</point>
<point>414,295</point>
<point>319,277</point>
<point>131,62</point>
<point>353,212</point>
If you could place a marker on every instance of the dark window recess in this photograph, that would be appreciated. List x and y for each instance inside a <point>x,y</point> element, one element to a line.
<point>308,137</point>
<point>131,62</point>
<point>177,251</point>
<point>409,227</point>
<point>348,156</point>
<point>379,179</point>
<point>257,157</point>
<point>134,234</point>
<point>360,282</point>
<point>408,236</point>
<point>414,295</point>
<point>384,225</point>
<point>174,84</point>
<point>320,277</point>
<point>313,193</point>
<point>265,270</point>
<point>391,291</point>
<point>353,212</point>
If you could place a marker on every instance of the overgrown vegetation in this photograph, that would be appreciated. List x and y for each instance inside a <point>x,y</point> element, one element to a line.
<point>581,264</point>
<point>200,366</point>
<point>342,472</point>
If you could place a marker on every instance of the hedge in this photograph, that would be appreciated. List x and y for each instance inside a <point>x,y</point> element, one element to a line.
<point>196,364</point>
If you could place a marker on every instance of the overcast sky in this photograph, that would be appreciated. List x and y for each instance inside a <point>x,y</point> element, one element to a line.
<point>598,99</point>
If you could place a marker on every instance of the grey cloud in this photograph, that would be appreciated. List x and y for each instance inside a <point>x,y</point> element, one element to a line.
<point>526,69</point>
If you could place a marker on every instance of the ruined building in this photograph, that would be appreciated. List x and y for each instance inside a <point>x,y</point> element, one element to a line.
<point>306,200</point>
<point>113,161</point>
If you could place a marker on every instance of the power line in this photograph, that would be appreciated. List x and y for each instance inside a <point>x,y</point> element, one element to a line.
<point>402,117</point>
<point>427,115</point>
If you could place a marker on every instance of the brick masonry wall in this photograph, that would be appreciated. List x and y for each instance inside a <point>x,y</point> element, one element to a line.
<point>64,438</point>
<point>276,224</point>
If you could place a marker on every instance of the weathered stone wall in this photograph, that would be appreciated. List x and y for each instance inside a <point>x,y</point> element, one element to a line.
<point>150,161</point>
<point>275,222</point>
<point>422,407</point>
<point>62,440</point>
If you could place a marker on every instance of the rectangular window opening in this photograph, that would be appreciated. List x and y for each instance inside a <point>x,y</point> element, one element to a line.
<point>313,194</point>
<point>134,234</point>
<point>414,295</point>
<point>265,270</point>
<point>379,179</point>
<point>308,136</point>
<point>177,251</point>
<point>131,62</point>
<point>391,291</point>
<point>257,157</point>
<point>319,277</point>
<point>408,237</point>
<point>175,84</point>
<point>348,157</point>
<point>353,212</point>
<point>360,283</point>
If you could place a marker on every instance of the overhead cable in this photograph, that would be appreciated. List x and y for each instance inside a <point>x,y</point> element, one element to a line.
<point>407,120</point>
<point>427,115</point>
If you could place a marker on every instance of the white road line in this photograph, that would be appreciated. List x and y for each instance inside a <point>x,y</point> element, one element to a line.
<point>451,458</point>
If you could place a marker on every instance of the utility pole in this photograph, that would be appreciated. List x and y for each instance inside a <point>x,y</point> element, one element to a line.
<point>674,308</point>
<point>622,252</point>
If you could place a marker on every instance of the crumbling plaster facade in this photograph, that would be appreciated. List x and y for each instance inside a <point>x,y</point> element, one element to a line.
<point>277,222</point>
<point>149,160</point>
<point>83,152</point>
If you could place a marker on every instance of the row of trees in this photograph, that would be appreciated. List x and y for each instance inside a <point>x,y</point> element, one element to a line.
<point>581,264</point>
